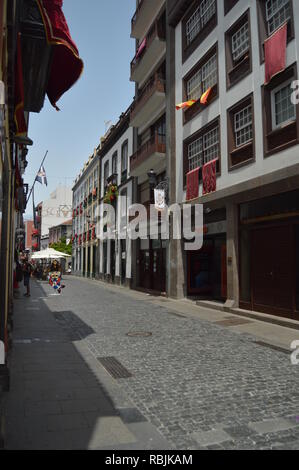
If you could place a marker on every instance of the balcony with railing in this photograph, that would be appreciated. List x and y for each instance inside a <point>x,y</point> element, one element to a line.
<point>148,102</point>
<point>143,17</point>
<point>151,50</point>
<point>151,155</point>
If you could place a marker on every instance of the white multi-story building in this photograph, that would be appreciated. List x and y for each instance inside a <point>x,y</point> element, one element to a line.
<point>85,203</point>
<point>55,210</point>
<point>148,116</point>
<point>251,243</point>
<point>115,152</point>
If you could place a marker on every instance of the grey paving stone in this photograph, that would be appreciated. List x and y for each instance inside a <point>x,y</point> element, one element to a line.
<point>190,377</point>
<point>272,426</point>
<point>211,437</point>
<point>66,422</point>
<point>131,415</point>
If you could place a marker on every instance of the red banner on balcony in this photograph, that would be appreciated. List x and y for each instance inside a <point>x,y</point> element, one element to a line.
<point>275,53</point>
<point>66,66</point>
<point>192,184</point>
<point>209,177</point>
<point>141,48</point>
<point>21,125</point>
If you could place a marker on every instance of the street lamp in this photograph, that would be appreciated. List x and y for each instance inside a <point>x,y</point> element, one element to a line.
<point>152,178</point>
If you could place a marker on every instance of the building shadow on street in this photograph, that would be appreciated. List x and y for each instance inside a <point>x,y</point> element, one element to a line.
<point>58,397</point>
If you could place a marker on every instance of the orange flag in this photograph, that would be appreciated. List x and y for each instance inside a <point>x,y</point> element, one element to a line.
<point>205,96</point>
<point>185,105</point>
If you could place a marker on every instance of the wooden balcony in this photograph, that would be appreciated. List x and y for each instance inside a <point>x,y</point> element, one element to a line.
<point>143,17</point>
<point>149,156</point>
<point>154,50</point>
<point>148,102</point>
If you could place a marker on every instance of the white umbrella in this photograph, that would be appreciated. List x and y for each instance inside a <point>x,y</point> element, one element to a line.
<point>49,253</point>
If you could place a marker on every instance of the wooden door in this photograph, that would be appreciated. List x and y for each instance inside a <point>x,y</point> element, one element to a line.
<point>112,260</point>
<point>224,271</point>
<point>272,270</point>
<point>159,270</point>
<point>144,269</point>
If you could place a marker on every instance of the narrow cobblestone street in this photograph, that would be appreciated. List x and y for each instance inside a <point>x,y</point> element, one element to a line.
<point>193,384</point>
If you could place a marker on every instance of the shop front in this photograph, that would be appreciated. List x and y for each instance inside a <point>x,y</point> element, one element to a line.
<point>269,255</point>
<point>206,268</point>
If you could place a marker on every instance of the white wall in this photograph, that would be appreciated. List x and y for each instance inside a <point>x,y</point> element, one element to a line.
<point>252,83</point>
<point>56,209</point>
<point>127,135</point>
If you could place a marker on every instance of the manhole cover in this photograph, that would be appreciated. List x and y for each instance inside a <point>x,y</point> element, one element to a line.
<point>233,322</point>
<point>141,334</point>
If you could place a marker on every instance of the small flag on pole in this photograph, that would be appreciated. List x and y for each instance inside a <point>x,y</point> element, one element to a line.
<point>185,105</point>
<point>205,96</point>
<point>41,176</point>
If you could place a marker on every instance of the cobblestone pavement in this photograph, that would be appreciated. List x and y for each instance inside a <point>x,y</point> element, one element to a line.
<point>202,385</point>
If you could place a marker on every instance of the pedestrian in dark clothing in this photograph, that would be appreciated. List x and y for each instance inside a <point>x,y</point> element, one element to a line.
<point>27,270</point>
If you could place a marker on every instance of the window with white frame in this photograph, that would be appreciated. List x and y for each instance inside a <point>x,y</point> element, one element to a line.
<point>207,10</point>
<point>106,172</point>
<point>123,209</point>
<point>193,26</point>
<point>240,42</point>
<point>211,145</point>
<point>95,177</point>
<point>199,19</point>
<point>195,156</point>
<point>124,157</point>
<point>114,163</point>
<point>204,149</point>
<point>203,79</point>
<point>283,110</point>
<point>277,12</point>
<point>243,126</point>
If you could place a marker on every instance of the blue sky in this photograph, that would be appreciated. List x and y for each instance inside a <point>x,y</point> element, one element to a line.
<point>101,30</point>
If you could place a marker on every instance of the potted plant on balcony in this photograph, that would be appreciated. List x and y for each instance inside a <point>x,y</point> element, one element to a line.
<point>111,194</point>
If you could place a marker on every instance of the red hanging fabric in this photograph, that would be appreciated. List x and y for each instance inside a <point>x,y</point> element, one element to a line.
<point>141,48</point>
<point>21,125</point>
<point>66,65</point>
<point>192,184</point>
<point>275,53</point>
<point>209,177</point>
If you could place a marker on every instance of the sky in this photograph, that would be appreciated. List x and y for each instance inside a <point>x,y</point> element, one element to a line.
<point>101,30</point>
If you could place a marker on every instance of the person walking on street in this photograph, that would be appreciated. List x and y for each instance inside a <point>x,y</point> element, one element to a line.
<point>27,269</point>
